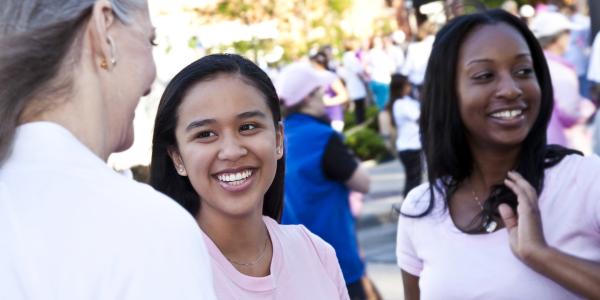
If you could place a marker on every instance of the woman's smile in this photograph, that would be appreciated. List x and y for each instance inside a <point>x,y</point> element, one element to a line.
<point>236,180</point>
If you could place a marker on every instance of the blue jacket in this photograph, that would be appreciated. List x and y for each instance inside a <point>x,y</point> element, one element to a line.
<point>312,199</point>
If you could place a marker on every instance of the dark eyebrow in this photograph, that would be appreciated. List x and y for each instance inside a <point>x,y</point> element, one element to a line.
<point>251,114</point>
<point>483,60</point>
<point>199,123</point>
<point>244,115</point>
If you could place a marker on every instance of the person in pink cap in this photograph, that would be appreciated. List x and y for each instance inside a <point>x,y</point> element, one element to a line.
<point>320,170</point>
<point>552,31</point>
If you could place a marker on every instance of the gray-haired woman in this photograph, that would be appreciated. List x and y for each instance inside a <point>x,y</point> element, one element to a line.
<point>72,73</point>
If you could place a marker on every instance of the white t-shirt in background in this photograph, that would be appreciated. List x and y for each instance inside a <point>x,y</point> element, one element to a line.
<point>407,112</point>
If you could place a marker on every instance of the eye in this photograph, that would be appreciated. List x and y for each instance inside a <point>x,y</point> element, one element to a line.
<point>525,72</point>
<point>246,127</point>
<point>482,76</point>
<point>204,134</point>
<point>153,42</point>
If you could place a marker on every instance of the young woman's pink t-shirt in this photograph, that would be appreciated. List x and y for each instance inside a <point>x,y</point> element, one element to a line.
<point>303,267</point>
<point>454,265</point>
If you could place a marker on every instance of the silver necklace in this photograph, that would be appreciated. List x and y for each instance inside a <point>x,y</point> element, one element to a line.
<point>489,224</point>
<point>260,257</point>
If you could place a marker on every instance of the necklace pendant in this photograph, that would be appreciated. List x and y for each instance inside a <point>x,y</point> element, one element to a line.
<point>490,226</point>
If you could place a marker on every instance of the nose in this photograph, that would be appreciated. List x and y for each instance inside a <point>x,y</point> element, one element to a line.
<point>508,88</point>
<point>231,149</point>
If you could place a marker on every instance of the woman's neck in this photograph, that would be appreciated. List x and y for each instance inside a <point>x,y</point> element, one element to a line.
<point>490,166</point>
<point>81,111</point>
<point>245,242</point>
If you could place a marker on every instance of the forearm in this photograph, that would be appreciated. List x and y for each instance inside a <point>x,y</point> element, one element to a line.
<point>575,274</point>
<point>339,99</point>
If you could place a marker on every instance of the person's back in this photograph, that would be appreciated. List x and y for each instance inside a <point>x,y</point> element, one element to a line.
<point>320,171</point>
<point>70,227</point>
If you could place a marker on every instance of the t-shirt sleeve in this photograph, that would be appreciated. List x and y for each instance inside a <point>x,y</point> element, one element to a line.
<point>406,255</point>
<point>405,252</point>
<point>338,162</point>
<point>330,262</point>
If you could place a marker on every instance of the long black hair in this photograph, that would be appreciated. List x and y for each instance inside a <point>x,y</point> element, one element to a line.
<point>163,175</point>
<point>443,134</point>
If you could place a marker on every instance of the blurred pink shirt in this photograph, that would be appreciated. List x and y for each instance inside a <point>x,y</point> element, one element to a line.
<point>303,267</point>
<point>454,265</point>
<point>567,100</point>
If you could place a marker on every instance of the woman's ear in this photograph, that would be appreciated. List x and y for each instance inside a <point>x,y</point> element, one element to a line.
<point>279,138</point>
<point>101,44</point>
<point>177,161</point>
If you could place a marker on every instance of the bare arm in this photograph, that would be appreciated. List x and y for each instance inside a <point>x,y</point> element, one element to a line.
<point>341,94</point>
<point>359,181</point>
<point>527,242</point>
<point>575,274</point>
<point>411,286</point>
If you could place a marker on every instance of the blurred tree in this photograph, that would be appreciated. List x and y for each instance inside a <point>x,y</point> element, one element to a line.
<point>301,24</point>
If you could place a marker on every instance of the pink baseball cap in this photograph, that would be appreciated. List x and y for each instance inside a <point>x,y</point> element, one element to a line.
<point>298,80</point>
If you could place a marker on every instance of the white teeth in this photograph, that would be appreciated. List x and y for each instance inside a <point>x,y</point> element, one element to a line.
<point>508,114</point>
<point>235,178</point>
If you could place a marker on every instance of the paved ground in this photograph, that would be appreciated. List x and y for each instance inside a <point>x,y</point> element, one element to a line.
<point>377,228</point>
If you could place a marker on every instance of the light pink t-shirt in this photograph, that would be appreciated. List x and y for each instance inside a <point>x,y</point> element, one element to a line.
<point>303,267</point>
<point>455,265</point>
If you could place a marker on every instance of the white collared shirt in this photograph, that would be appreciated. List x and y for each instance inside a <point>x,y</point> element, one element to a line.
<point>72,228</point>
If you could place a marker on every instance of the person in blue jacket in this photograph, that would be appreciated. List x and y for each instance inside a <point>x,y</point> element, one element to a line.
<point>320,170</point>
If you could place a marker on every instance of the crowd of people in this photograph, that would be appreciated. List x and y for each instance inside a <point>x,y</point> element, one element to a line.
<point>251,186</point>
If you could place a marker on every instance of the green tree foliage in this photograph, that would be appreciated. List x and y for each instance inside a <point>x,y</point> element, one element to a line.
<point>301,24</point>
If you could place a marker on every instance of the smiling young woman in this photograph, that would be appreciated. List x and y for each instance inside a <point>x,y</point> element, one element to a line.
<point>218,151</point>
<point>486,105</point>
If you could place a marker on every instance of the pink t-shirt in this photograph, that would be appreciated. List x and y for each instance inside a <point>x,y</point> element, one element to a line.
<point>455,265</point>
<point>303,267</point>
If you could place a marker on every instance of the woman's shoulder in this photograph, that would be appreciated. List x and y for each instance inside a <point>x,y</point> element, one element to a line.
<point>577,165</point>
<point>418,199</point>
<point>299,237</point>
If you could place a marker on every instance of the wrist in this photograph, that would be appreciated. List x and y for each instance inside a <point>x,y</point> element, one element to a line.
<point>538,257</point>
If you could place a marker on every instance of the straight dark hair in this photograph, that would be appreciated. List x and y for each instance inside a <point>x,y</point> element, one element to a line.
<point>449,158</point>
<point>163,175</point>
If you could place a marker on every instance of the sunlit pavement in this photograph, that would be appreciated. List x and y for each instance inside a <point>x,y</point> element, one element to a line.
<point>377,228</point>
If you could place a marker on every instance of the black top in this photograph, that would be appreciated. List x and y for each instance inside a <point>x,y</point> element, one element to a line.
<point>338,162</point>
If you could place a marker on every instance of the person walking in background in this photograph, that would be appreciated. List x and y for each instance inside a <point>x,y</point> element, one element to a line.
<point>577,53</point>
<point>72,73</point>
<point>352,72</point>
<point>380,67</point>
<point>336,96</point>
<point>417,56</point>
<point>406,112</point>
<point>320,171</point>
<point>593,76</point>
<point>508,216</point>
<point>218,151</point>
<point>552,31</point>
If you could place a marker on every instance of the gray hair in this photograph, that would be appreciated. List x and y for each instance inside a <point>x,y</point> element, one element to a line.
<point>36,37</point>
